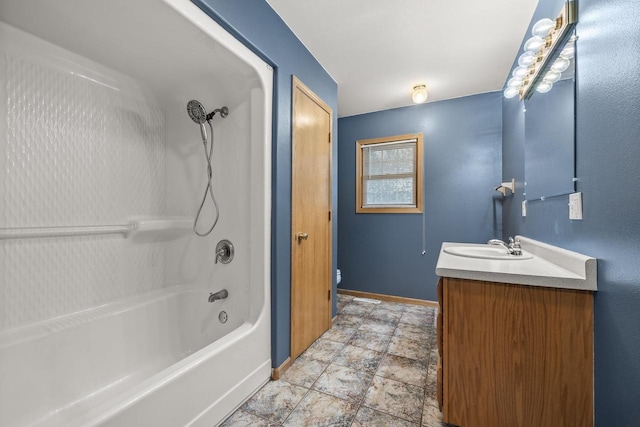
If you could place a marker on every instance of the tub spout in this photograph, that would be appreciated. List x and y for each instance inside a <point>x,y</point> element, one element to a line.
<point>218,295</point>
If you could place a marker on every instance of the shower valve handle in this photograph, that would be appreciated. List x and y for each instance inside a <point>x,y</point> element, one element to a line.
<point>302,236</point>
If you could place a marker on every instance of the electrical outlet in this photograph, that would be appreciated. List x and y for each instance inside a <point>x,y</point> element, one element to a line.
<point>575,206</point>
<point>524,208</point>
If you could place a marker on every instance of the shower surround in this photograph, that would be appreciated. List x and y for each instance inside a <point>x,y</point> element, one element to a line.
<point>104,312</point>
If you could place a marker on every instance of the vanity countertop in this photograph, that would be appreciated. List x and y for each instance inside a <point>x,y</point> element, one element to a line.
<point>549,266</point>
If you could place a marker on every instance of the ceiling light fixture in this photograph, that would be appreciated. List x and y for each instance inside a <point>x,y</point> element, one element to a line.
<point>419,94</point>
<point>542,62</point>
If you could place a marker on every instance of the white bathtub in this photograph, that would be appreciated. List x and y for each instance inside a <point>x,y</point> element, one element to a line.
<point>115,329</point>
<point>157,359</point>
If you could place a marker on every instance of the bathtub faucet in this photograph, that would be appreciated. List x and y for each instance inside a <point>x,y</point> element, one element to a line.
<point>218,295</point>
<point>224,251</point>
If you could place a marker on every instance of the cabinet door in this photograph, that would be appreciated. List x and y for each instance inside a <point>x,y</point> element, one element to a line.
<point>439,390</point>
<point>517,355</point>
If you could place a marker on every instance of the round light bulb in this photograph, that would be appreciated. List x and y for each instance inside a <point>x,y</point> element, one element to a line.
<point>568,52</point>
<point>560,65</point>
<point>552,76</point>
<point>514,82</point>
<point>419,94</point>
<point>543,27</point>
<point>510,92</point>
<point>520,72</point>
<point>534,44</point>
<point>526,59</point>
<point>544,87</point>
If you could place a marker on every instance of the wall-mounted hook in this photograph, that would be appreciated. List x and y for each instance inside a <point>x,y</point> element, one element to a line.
<point>505,187</point>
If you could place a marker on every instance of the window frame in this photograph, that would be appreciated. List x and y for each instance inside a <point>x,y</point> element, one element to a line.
<point>419,188</point>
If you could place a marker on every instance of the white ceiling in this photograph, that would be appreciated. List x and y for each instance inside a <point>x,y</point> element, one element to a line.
<point>377,50</point>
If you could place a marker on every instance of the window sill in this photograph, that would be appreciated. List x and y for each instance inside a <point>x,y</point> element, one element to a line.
<point>390,209</point>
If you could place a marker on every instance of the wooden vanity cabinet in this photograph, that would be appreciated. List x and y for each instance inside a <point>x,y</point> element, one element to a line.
<point>514,355</point>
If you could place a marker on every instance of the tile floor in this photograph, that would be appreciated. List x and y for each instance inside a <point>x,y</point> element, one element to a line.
<point>375,367</point>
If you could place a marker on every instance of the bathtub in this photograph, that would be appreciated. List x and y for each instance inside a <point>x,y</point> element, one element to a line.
<point>104,311</point>
<point>163,358</point>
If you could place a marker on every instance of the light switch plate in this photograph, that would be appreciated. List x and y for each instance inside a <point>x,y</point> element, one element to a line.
<point>575,206</point>
<point>524,208</point>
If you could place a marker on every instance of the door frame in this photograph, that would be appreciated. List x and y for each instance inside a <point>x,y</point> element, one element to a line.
<point>296,84</point>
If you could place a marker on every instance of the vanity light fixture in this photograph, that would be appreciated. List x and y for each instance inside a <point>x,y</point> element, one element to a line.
<point>419,94</point>
<point>542,61</point>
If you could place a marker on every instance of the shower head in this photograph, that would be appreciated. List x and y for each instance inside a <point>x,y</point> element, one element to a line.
<point>197,112</point>
<point>199,115</point>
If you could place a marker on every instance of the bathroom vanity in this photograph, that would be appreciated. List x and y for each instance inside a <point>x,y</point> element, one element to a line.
<point>515,336</point>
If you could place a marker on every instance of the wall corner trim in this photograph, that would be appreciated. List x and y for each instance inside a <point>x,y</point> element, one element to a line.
<point>277,372</point>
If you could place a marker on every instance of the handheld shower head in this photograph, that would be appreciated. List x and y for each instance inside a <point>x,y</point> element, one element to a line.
<point>197,112</point>
<point>199,115</point>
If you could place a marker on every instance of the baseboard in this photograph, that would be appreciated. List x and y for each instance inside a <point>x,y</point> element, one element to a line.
<point>276,373</point>
<point>391,298</point>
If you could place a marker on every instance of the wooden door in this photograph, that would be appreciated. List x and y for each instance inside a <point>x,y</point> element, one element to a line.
<point>311,269</point>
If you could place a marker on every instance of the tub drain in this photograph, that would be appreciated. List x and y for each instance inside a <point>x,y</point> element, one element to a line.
<point>223,317</point>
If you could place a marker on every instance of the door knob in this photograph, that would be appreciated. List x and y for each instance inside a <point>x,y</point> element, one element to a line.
<point>302,236</point>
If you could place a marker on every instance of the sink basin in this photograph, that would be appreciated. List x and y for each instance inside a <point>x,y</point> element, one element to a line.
<point>485,252</point>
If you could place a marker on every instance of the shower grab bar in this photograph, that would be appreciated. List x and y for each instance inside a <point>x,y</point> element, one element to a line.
<point>135,225</point>
<point>80,230</point>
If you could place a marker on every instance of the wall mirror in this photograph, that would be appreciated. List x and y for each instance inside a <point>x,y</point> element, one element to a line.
<point>550,136</point>
<point>550,131</point>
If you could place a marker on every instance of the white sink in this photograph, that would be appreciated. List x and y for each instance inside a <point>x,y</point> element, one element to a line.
<point>545,265</point>
<point>485,252</point>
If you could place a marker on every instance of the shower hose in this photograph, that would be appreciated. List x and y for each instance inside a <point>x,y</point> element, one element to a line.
<point>209,189</point>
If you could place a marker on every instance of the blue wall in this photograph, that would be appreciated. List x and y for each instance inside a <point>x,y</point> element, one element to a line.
<point>608,172</point>
<point>381,253</point>
<point>263,31</point>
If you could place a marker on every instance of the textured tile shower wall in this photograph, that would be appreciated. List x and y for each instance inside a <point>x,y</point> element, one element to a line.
<point>75,151</point>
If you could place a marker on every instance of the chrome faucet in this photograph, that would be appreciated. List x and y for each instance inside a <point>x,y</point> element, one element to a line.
<point>513,248</point>
<point>224,251</point>
<point>218,295</point>
<point>220,253</point>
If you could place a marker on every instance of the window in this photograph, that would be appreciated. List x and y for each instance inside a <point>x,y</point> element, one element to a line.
<point>389,174</point>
